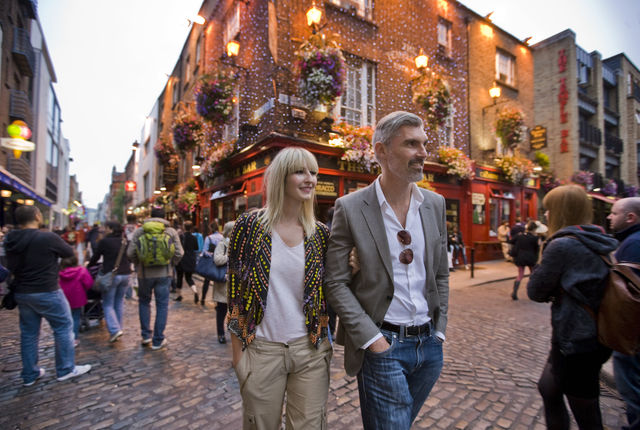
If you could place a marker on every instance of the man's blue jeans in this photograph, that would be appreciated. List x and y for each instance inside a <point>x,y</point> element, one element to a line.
<point>54,307</point>
<point>113,302</point>
<point>626,370</point>
<point>159,287</point>
<point>394,384</point>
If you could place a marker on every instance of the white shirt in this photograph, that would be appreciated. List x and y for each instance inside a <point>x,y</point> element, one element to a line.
<point>409,306</point>
<point>284,318</point>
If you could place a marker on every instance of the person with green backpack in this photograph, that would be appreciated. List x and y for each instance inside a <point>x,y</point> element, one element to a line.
<point>155,249</point>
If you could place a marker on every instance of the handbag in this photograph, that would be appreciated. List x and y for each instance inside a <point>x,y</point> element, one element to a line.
<point>103,281</point>
<point>9,301</point>
<point>208,269</point>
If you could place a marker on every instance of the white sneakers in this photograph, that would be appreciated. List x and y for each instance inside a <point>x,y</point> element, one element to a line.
<point>77,371</point>
<point>40,375</point>
<point>115,336</point>
<point>162,345</point>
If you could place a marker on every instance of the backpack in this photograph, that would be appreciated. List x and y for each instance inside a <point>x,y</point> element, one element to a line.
<point>618,317</point>
<point>155,247</point>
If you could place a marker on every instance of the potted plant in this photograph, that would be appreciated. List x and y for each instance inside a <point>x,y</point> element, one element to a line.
<point>186,132</point>
<point>430,92</point>
<point>214,96</point>
<point>457,162</point>
<point>215,155</point>
<point>357,145</point>
<point>165,153</point>
<point>515,168</point>
<point>510,127</point>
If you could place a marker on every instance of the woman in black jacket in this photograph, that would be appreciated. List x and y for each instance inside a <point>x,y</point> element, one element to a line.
<point>524,250</point>
<point>572,277</point>
<point>113,300</point>
<point>187,265</point>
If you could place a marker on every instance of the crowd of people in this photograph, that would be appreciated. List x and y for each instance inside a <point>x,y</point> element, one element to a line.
<point>382,266</point>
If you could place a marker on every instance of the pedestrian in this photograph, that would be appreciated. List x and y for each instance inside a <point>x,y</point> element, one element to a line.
<point>278,315</point>
<point>129,228</point>
<point>625,222</point>
<point>93,237</point>
<point>199,239</point>
<point>458,253</point>
<point>75,281</point>
<point>219,293</point>
<point>155,270</point>
<point>503,237</point>
<point>208,249</point>
<point>525,249</point>
<point>187,265</point>
<point>572,276</point>
<point>518,228</point>
<point>32,258</point>
<point>393,314</point>
<point>112,250</point>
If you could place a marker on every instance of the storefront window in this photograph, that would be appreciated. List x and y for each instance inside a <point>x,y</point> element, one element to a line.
<point>499,210</point>
<point>478,214</point>
<point>453,211</point>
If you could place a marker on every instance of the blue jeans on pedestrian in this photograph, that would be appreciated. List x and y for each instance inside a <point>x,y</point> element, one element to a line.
<point>54,307</point>
<point>159,287</point>
<point>113,302</point>
<point>626,370</point>
<point>394,384</point>
<point>76,315</point>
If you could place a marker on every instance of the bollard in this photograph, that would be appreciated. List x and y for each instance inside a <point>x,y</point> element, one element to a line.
<point>473,260</point>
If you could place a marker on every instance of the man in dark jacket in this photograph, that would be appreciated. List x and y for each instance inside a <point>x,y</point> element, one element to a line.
<point>32,257</point>
<point>625,222</point>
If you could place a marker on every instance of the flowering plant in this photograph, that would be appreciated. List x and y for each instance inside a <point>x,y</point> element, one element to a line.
<point>583,178</point>
<point>509,126</point>
<point>610,188</point>
<point>357,144</point>
<point>457,162</point>
<point>515,168</point>
<point>321,71</point>
<point>186,202</point>
<point>214,97</point>
<point>166,153</point>
<point>431,93</point>
<point>630,191</point>
<point>548,183</point>
<point>186,131</point>
<point>214,155</point>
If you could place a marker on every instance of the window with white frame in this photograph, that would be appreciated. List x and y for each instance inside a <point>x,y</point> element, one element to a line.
<point>232,25</point>
<point>175,92</point>
<point>444,36</point>
<point>198,49</point>
<point>357,105</point>
<point>232,128</point>
<point>187,70</point>
<point>361,7</point>
<point>505,68</point>
<point>445,133</point>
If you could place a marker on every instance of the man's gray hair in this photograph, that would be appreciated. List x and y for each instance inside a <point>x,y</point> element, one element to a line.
<point>389,125</point>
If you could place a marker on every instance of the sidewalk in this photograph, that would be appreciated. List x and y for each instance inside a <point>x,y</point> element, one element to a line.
<point>486,272</point>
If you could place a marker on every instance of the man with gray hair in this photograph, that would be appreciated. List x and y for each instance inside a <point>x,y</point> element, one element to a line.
<point>393,312</point>
<point>625,222</point>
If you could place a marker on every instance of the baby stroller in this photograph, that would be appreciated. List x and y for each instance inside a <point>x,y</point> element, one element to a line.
<point>92,312</point>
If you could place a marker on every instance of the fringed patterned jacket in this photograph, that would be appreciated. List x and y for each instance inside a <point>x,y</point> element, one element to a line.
<point>249,264</point>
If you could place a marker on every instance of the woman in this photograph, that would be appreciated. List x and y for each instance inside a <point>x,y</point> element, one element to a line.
<point>220,258</point>
<point>277,307</point>
<point>112,301</point>
<point>572,277</point>
<point>187,265</point>
<point>456,244</point>
<point>209,246</point>
<point>524,250</point>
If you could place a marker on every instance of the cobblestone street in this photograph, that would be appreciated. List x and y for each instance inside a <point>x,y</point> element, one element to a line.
<point>494,353</point>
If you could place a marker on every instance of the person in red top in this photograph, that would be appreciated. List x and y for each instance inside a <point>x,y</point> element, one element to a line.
<point>75,281</point>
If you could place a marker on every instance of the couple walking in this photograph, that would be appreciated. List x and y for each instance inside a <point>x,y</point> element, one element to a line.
<point>393,311</point>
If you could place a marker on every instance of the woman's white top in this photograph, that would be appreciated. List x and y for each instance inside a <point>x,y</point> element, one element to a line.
<point>284,319</point>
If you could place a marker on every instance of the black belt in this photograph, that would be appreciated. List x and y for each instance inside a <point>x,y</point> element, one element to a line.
<point>413,330</point>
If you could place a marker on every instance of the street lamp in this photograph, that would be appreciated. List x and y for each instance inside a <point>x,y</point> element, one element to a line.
<point>421,60</point>
<point>233,48</point>
<point>314,15</point>
<point>494,92</point>
<point>135,146</point>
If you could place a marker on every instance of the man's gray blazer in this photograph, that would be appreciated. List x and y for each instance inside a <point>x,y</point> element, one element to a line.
<point>362,301</point>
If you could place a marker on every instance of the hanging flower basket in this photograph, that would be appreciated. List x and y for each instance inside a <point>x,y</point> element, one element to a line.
<point>357,145</point>
<point>186,203</point>
<point>186,132</point>
<point>166,153</point>
<point>583,178</point>
<point>215,156</point>
<point>321,72</point>
<point>430,92</point>
<point>214,96</point>
<point>510,126</point>
<point>457,162</point>
<point>610,188</point>
<point>515,168</point>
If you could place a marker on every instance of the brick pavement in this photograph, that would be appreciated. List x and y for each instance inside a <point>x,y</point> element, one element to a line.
<point>493,356</point>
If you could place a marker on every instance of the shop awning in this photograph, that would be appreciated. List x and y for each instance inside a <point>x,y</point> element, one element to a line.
<point>18,185</point>
<point>610,200</point>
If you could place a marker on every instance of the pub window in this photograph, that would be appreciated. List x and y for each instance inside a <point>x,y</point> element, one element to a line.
<point>357,105</point>
<point>231,129</point>
<point>505,68</point>
<point>198,49</point>
<point>187,70</point>
<point>444,37</point>
<point>445,133</point>
<point>361,7</point>
<point>232,25</point>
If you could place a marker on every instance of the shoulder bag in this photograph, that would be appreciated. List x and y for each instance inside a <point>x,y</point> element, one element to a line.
<point>104,280</point>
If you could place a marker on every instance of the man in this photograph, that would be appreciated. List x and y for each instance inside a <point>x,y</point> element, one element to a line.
<point>393,312</point>
<point>503,237</point>
<point>154,266</point>
<point>625,222</point>
<point>32,257</point>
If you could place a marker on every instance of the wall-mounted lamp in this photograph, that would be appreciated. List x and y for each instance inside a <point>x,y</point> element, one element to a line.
<point>198,19</point>
<point>77,203</point>
<point>135,146</point>
<point>495,92</point>
<point>163,188</point>
<point>233,48</point>
<point>5,193</point>
<point>314,16</point>
<point>157,192</point>
<point>421,60</point>
<point>20,201</point>
<point>29,202</point>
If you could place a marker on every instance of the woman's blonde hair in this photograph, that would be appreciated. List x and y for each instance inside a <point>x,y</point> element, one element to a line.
<point>567,205</point>
<point>228,227</point>
<point>287,161</point>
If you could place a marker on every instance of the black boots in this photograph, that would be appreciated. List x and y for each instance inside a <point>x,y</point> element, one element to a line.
<point>514,294</point>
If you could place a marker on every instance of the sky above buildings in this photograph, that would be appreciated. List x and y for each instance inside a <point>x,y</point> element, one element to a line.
<point>112,58</point>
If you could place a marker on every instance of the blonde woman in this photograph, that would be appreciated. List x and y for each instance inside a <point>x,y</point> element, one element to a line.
<point>572,277</point>
<point>220,258</point>
<point>278,314</point>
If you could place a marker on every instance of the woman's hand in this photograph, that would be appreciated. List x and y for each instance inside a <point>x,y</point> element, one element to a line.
<point>354,261</point>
